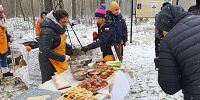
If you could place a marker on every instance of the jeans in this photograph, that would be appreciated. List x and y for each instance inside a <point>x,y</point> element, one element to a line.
<point>3,61</point>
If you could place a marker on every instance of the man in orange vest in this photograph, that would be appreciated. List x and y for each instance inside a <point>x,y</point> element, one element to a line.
<point>52,56</point>
<point>38,28</point>
<point>3,45</point>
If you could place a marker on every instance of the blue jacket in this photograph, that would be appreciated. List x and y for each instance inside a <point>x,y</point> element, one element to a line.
<point>120,26</point>
<point>106,39</point>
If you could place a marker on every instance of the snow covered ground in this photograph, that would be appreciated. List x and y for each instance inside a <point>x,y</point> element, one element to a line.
<point>138,56</point>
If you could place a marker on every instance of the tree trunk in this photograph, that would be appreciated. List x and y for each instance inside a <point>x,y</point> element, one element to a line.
<point>74,9</point>
<point>48,5</point>
<point>32,9</point>
<point>22,11</point>
<point>42,5</point>
<point>81,8</point>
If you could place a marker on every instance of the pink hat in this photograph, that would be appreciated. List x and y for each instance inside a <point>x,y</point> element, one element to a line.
<point>100,12</point>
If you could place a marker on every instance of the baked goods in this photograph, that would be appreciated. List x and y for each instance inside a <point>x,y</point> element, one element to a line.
<point>94,83</point>
<point>102,70</point>
<point>78,93</point>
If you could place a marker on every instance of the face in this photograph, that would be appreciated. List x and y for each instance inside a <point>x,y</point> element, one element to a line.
<point>99,21</point>
<point>43,15</point>
<point>1,13</point>
<point>165,33</point>
<point>63,21</point>
<point>115,12</point>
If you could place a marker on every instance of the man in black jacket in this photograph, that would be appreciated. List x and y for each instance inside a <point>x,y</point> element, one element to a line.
<point>52,44</point>
<point>179,59</point>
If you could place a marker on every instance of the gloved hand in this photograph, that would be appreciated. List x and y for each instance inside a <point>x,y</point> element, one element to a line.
<point>85,48</point>
<point>67,57</point>
<point>95,35</point>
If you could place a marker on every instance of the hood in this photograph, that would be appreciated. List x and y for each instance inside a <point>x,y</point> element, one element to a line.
<point>169,16</point>
<point>50,22</point>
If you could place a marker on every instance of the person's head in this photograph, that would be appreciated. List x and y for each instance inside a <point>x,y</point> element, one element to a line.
<point>169,16</point>
<point>100,15</point>
<point>114,8</point>
<point>61,16</point>
<point>1,11</point>
<point>165,4</point>
<point>43,14</point>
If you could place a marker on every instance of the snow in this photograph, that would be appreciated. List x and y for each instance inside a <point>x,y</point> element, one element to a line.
<point>138,56</point>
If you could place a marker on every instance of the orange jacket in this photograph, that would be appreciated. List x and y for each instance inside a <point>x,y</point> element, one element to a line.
<point>38,28</point>
<point>3,41</point>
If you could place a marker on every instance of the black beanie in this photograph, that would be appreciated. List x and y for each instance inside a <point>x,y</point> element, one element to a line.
<point>169,16</point>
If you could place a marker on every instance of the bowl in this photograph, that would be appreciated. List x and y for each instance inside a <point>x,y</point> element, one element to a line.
<point>85,61</point>
<point>75,68</point>
<point>80,75</point>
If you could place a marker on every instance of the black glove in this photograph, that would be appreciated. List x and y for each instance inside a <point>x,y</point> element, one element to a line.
<point>85,48</point>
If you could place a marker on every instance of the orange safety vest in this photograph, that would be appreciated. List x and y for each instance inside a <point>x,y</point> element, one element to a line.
<point>38,28</point>
<point>58,65</point>
<point>3,41</point>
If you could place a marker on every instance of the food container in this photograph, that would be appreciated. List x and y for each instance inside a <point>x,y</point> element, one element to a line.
<point>80,75</point>
<point>86,61</point>
<point>75,68</point>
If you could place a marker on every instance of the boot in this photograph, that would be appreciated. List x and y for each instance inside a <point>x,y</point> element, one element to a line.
<point>6,72</point>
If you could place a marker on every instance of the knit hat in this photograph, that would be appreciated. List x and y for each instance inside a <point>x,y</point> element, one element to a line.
<point>169,16</point>
<point>114,5</point>
<point>100,12</point>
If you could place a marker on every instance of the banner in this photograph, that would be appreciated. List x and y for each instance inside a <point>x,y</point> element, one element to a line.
<point>149,8</point>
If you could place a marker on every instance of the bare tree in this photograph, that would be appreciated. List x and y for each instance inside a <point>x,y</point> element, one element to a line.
<point>48,5</point>
<point>22,11</point>
<point>41,5</point>
<point>32,8</point>
<point>74,9</point>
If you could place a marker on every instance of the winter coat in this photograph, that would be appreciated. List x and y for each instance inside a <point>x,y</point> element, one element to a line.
<point>120,26</point>
<point>38,28</point>
<point>106,35</point>
<point>49,40</point>
<point>179,59</point>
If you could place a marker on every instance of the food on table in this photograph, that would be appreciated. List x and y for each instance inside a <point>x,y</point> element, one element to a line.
<point>115,64</point>
<point>80,75</point>
<point>60,82</point>
<point>78,93</point>
<point>44,97</point>
<point>102,70</point>
<point>94,83</point>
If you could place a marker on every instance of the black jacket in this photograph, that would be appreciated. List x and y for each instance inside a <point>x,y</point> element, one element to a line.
<point>179,59</point>
<point>107,38</point>
<point>120,26</point>
<point>48,40</point>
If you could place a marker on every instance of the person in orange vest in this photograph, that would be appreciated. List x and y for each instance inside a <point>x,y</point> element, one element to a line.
<point>38,28</point>
<point>3,45</point>
<point>52,42</point>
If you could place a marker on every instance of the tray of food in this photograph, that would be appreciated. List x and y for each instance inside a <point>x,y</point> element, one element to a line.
<point>102,70</point>
<point>78,93</point>
<point>93,84</point>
